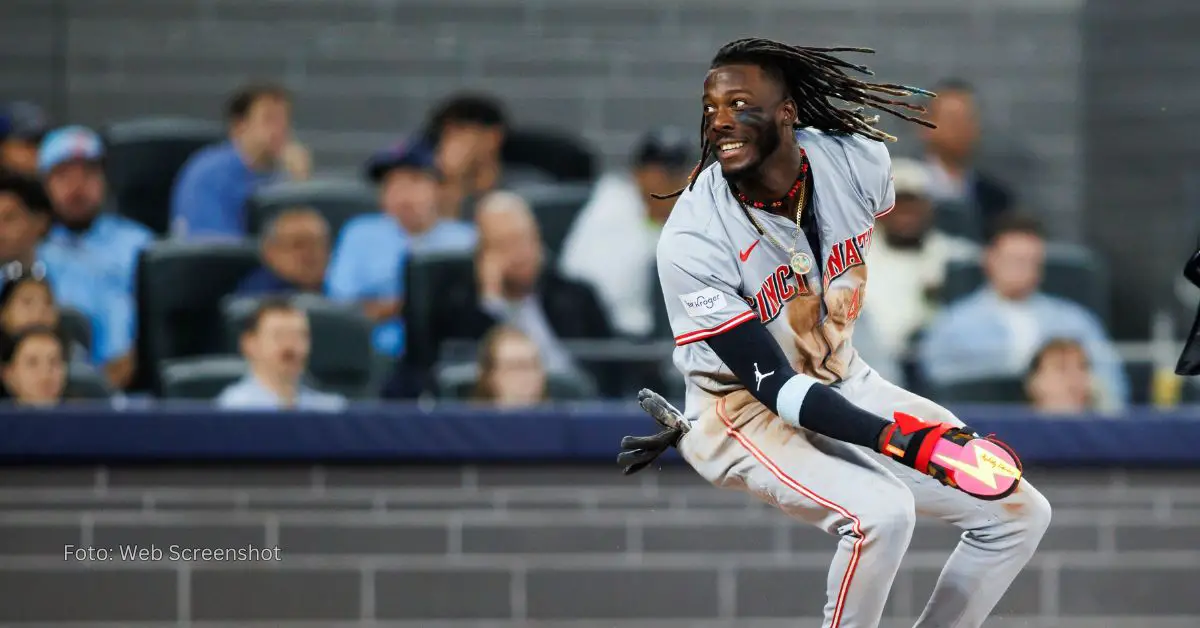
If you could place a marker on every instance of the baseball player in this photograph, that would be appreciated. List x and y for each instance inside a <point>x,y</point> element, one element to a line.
<point>762,265</point>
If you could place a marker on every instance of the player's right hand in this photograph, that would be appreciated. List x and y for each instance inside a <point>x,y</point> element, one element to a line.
<point>639,451</point>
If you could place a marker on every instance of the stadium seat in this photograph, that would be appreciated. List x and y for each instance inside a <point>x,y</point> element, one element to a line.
<point>555,206</point>
<point>959,219</point>
<point>998,390</point>
<point>341,357</point>
<point>76,326</point>
<point>1072,272</point>
<point>559,155</point>
<point>338,201</point>
<point>86,383</point>
<point>144,157</point>
<point>457,382</point>
<point>200,377</point>
<point>181,285</point>
<point>425,276</point>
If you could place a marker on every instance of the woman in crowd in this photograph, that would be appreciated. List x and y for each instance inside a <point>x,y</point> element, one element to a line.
<point>510,370</point>
<point>34,370</point>
<point>1060,380</point>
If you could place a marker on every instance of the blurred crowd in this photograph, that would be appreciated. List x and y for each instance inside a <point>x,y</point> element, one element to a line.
<point>481,265</point>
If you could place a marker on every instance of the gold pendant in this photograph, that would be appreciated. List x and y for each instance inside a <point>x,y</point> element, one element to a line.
<point>801,263</point>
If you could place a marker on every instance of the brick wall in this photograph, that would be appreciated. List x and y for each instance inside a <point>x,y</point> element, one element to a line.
<point>509,546</point>
<point>366,70</point>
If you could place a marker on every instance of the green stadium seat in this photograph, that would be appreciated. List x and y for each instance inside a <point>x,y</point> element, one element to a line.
<point>180,287</point>
<point>338,201</point>
<point>959,219</point>
<point>998,390</point>
<point>555,206</point>
<point>200,378</point>
<point>143,158</point>
<point>85,383</point>
<point>341,359</point>
<point>1072,272</point>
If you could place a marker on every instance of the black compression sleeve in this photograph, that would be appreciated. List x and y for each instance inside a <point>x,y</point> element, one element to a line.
<point>759,364</point>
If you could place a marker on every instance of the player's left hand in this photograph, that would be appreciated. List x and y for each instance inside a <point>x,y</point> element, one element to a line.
<point>639,451</point>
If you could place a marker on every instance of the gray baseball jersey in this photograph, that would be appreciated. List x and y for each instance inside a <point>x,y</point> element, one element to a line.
<point>718,272</point>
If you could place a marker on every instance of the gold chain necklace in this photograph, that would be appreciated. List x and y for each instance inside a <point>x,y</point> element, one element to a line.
<point>800,261</point>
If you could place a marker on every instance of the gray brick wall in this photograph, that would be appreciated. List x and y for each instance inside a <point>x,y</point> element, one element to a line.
<point>504,546</point>
<point>366,70</point>
<point>1143,129</point>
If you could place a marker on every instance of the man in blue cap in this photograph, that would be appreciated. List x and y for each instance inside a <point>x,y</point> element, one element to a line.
<point>24,216</point>
<point>71,165</point>
<point>367,264</point>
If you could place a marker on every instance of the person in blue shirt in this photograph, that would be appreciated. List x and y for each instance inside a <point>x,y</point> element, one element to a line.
<point>209,198</point>
<point>276,344</point>
<point>368,262</point>
<point>70,162</point>
<point>24,218</point>
<point>996,331</point>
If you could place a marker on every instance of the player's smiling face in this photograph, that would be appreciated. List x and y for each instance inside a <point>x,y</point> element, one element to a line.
<point>742,113</point>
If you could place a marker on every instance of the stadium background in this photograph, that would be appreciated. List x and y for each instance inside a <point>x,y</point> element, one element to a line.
<point>1086,104</point>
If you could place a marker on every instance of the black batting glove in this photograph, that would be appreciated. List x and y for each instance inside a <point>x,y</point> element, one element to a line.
<point>640,451</point>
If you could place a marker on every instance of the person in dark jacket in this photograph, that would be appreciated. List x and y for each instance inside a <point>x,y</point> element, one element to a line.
<point>511,286</point>
<point>950,151</point>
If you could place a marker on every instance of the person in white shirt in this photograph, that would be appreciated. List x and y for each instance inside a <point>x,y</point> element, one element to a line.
<point>907,262</point>
<point>620,264</point>
<point>276,345</point>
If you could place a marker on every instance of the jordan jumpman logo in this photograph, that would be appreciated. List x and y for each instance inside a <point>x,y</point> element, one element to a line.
<point>760,376</point>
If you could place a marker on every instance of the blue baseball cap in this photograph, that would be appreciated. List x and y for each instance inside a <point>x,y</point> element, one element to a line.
<point>23,121</point>
<point>72,143</point>
<point>409,155</point>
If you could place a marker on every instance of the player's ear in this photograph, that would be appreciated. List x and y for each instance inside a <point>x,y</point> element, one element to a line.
<point>788,113</point>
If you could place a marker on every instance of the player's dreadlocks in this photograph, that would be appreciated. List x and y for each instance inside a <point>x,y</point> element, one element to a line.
<point>813,76</point>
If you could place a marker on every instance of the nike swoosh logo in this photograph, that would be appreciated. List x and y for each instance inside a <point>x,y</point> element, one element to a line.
<point>746,254</point>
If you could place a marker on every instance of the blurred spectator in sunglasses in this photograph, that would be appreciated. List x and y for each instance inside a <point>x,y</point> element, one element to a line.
<point>295,252</point>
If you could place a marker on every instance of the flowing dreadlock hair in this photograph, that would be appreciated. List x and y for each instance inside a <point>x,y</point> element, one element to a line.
<point>812,77</point>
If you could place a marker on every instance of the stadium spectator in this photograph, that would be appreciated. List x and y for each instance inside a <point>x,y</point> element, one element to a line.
<point>996,331</point>
<point>297,161</point>
<point>512,286</point>
<point>950,154</point>
<point>210,193</point>
<point>468,132</point>
<point>294,248</point>
<point>611,245</point>
<point>368,262</point>
<point>1060,381</point>
<point>34,368</point>
<point>510,370</point>
<point>70,162</point>
<point>907,261</point>
<point>27,300</point>
<point>24,218</point>
<point>276,344</point>
<point>22,126</point>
